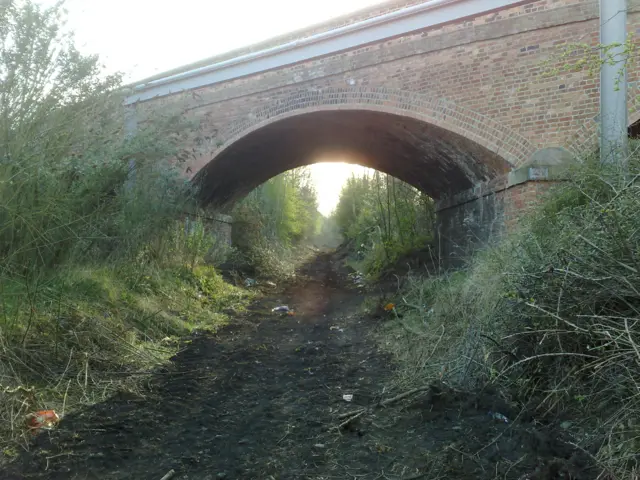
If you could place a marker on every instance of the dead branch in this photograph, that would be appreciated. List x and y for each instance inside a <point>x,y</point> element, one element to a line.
<point>351,419</point>
<point>354,414</point>
<point>350,414</point>
<point>404,395</point>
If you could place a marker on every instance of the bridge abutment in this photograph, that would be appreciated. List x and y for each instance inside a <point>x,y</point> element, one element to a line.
<point>473,219</point>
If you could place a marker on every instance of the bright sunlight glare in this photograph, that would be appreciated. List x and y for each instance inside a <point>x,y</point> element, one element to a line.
<point>329,178</point>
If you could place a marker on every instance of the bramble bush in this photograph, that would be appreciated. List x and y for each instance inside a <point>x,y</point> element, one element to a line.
<point>551,314</point>
<point>93,261</point>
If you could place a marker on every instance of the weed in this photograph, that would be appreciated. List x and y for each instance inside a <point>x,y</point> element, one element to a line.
<point>98,274</point>
<point>551,315</point>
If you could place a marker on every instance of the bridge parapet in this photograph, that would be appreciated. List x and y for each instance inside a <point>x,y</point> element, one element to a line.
<point>332,24</point>
<point>378,29</point>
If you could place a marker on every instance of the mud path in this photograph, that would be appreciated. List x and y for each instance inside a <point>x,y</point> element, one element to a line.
<point>261,400</point>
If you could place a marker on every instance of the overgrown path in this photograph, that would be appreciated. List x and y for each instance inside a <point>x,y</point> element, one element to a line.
<point>252,401</point>
<point>262,399</point>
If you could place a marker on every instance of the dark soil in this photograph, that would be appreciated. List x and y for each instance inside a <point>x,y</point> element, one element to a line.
<point>262,399</point>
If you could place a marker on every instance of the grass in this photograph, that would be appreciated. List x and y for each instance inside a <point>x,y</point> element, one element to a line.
<point>93,331</point>
<point>98,277</point>
<point>551,316</point>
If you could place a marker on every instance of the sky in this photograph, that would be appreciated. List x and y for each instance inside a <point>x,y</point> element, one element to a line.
<point>145,37</point>
<point>329,179</point>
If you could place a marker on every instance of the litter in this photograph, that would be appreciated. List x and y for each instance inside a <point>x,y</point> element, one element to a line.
<point>389,306</point>
<point>499,416</point>
<point>283,309</point>
<point>358,279</point>
<point>347,397</point>
<point>170,474</point>
<point>270,284</point>
<point>43,419</point>
<point>250,282</point>
<point>335,327</point>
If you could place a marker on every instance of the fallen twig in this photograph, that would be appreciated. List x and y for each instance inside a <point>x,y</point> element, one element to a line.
<point>351,419</point>
<point>56,456</point>
<point>350,414</point>
<point>282,439</point>
<point>169,475</point>
<point>354,414</point>
<point>404,395</point>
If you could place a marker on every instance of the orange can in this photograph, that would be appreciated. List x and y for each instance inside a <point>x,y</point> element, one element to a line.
<point>46,419</point>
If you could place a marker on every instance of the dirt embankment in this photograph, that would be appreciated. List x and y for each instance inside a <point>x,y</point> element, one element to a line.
<point>263,399</point>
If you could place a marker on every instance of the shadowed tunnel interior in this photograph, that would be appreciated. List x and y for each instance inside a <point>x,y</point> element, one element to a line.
<point>432,159</point>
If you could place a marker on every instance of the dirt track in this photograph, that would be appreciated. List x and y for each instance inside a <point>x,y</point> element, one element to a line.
<point>261,400</point>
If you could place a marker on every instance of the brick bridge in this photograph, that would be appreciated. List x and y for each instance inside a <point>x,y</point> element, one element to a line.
<point>447,95</point>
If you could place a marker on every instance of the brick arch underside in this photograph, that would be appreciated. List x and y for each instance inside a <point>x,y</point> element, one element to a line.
<point>432,159</point>
<point>436,146</point>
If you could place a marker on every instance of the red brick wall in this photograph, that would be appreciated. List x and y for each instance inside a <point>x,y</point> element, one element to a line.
<point>473,223</point>
<point>522,198</point>
<point>488,71</point>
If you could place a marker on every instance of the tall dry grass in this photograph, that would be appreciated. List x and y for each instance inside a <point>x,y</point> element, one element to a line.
<point>551,315</point>
<point>92,260</point>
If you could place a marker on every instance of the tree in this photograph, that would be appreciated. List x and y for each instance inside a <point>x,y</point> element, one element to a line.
<point>383,217</point>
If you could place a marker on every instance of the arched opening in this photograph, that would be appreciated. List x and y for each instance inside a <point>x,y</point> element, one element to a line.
<point>372,217</point>
<point>435,160</point>
<point>634,130</point>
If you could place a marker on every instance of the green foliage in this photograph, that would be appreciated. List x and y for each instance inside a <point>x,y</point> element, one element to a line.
<point>384,218</point>
<point>274,219</point>
<point>283,209</point>
<point>192,241</point>
<point>581,56</point>
<point>551,314</point>
<point>98,271</point>
<point>64,159</point>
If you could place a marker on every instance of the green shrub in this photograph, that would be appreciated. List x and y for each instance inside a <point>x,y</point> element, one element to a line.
<point>552,314</point>
<point>274,222</point>
<point>97,270</point>
<point>64,158</point>
<point>383,218</point>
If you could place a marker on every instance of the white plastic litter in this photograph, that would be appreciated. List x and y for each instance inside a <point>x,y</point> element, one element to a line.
<point>281,309</point>
<point>499,417</point>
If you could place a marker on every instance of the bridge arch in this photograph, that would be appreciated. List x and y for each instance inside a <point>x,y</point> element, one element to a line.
<point>408,129</point>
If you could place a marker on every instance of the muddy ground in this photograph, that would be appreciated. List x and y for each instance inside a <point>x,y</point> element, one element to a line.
<point>263,399</point>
